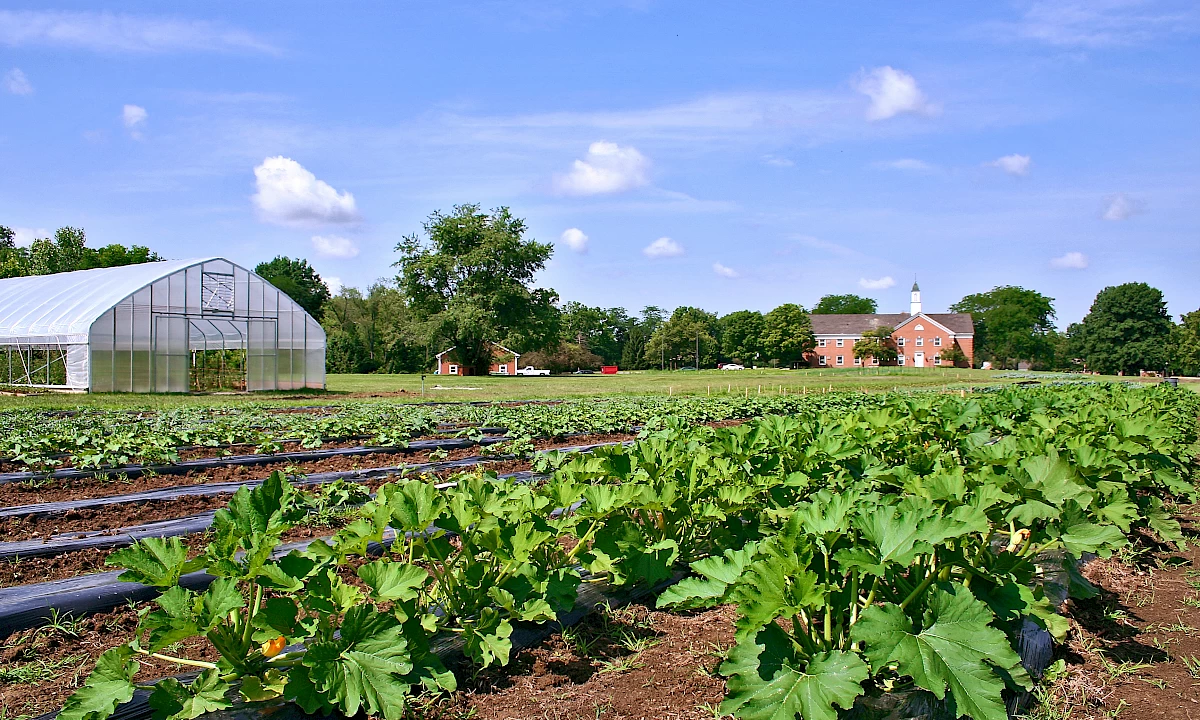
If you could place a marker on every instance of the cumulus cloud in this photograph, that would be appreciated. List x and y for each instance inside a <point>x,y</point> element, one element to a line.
<point>777,161</point>
<point>109,32</point>
<point>574,239</point>
<point>607,168</point>
<point>893,92</point>
<point>663,247</point>
<point>334,284</point>
<point>134,117</point>
<point>723,271</point>
<point>1013,164</point>
<point>334,246</point>
<point>1070,261</point>
<point>16,83</point>
<point>882,283</point>
<point>288,194</point>
<point>24,237</point>
<point>1120,207</point>
<point>911,164</point>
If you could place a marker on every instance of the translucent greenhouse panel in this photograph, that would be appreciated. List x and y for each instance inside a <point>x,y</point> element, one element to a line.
<point>122,373</point>
<point>76,361</point>
<point>143,356</point>
<point>171,354</point>
<point>100,348</point>
<point>260,355</point>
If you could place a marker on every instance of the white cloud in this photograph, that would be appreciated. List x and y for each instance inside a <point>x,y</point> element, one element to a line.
<point>663,247</point>
<point>290,195</point>
<point>334,284</point>
<point>912,164</point>
<point>334,246</point>
<point>24,237</point>
<point>574,239</point>
<point>134,117</point>
<point>723,271</point>
<point>109,32</point>
<point>1070,261</point>
<point>1102,23</point>
<point>1120,207</point>
<point>882,283</point>
<point>776,161</point>
<point>892,93</point>
<point>607,168</point>
<point>1013,164</point>
<point>16,83</point>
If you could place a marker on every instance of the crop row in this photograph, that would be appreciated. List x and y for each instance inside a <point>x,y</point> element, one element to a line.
<point>897,546</point>
<point>100,438</point>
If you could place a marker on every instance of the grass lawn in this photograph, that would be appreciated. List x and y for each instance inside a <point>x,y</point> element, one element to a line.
<point>407,388</point>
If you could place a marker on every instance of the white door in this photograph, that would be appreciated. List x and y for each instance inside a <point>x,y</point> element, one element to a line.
<point>918,359</point>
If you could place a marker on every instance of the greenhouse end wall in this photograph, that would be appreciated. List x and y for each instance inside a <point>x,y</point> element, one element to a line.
<point>147,341</point>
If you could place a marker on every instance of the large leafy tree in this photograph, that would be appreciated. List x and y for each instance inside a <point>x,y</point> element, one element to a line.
<point>1127,330</point>
<point>637,338</point>
<point>602,331</point>
<point>848,304</point>
<point>298,280</point>
<point>677,340</point>
<point>878,344</point>
<point>470,275</point>
<point>374,331</point>
<point>1185,345</point>
<point>1011,324</point>
<point>787,334</point>
<point>741,335</point>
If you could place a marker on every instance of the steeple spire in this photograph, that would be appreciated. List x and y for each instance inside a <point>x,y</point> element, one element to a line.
<point>914,306</point>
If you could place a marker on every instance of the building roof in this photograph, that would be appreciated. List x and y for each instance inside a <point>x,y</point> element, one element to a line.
<point>957,323</point>
<point>494,346</point>
<point>62,307</point>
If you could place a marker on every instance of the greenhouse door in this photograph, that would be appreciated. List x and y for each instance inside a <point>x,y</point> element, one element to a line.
<point>262,349</point>
<point>170,353</point>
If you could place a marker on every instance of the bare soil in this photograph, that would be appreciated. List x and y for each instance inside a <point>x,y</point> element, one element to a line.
<point>107,517</point>
<point>1134,650</point>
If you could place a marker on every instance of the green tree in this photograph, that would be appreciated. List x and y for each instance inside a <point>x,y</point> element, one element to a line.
<point>382,325</point>
<point>952,356</point>
<point>637,338</point>
<point>876,343</point>
<point>677,340</point>
<point>1184,353</point>
<point>741,335</point>
<point>1011,324</point>
<point>566,357</point>
<point>298,280</point>
<point>1126,331</point>
<point>787,334</point>
<point>845,305</point>
<point>470,276</point>
<point>600,330</point>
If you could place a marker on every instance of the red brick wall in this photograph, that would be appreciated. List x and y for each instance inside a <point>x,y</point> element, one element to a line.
<point>831,351</point>
<point>910,334</point>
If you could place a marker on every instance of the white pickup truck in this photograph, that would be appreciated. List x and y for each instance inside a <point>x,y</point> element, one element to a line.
<point>531,370</point>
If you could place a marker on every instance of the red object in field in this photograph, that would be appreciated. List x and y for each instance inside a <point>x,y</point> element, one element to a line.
<point>608,369</point>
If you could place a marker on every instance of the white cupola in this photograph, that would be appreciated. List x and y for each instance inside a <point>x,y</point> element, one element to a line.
<point>915,303</point>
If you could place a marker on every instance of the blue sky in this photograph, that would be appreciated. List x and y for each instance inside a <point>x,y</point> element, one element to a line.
<point>725,155</point>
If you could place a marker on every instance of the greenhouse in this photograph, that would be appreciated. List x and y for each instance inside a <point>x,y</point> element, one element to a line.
<point>176,326</point>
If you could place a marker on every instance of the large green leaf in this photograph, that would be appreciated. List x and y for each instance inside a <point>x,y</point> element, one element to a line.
<point>173,699</point>
<point>955,649</point>
<point>152,561</point>
<point>390,580</point>
<point>768,680</point>
<point>108,685</point>
<point>716,575</point>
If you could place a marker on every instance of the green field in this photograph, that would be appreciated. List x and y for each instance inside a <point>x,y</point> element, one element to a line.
<point>434,388</point>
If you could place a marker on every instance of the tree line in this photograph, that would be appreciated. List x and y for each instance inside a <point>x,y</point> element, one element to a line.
<point>466,281</point>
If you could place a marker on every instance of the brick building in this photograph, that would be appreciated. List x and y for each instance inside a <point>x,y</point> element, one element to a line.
<point>920,338</point>
<point>504,362</point>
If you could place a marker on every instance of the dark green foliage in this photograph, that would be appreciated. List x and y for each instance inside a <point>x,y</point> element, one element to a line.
<point>298,280</point>
<point>741,336</point>
<point>1185,345</point>
<point>471,278</point>
<point>788,334</point>
<point>1011,324</point>
<point>845,305</point>
<point>65,252</point>
<point>1127,330</point>
<point>689,332</point>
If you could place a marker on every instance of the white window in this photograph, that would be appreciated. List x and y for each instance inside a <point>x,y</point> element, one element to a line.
<point>453,369</point>
<point>841,342</point>
<point>899,359</point>
<point>937,359</point>
<point>502,369</point>
<point>822,360</point>
<point>874,361</point>
<point>839,360</point>
<point>858,361</point>
<point>920,341</point>
<point>919,327</point>
<point>937,341</point>
<point>821,342</point>
<point>900,342</point>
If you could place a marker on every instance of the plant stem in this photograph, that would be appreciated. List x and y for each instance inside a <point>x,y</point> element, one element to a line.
<point>177,660</point>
